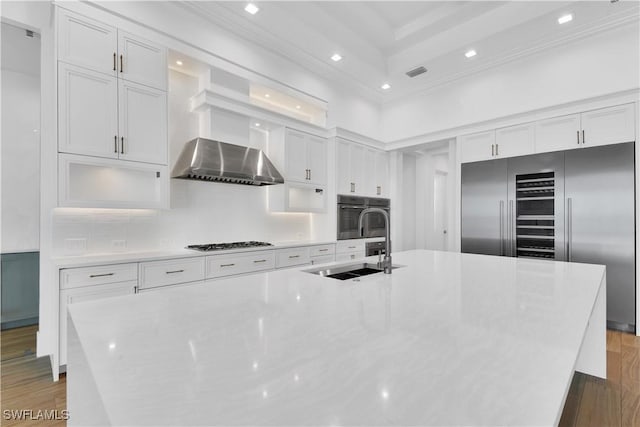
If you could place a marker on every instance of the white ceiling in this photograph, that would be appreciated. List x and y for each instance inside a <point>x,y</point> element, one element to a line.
<point>381,40</point>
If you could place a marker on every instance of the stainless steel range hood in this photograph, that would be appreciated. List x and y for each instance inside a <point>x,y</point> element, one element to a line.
<point>208,160</point>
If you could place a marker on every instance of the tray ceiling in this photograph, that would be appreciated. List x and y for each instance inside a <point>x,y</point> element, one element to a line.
<point>380,41</point>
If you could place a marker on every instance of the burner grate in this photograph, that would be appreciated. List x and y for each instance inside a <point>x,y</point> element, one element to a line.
<point>223,246</point>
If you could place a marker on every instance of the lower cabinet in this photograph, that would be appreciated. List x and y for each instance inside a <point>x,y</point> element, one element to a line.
<point>292,257</point>
<point>155,274</point>
<point>87,293</point>
<point>349,250</point>
<point>239,263</point>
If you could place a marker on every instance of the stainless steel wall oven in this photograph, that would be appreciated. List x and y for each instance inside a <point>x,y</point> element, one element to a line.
<point>349,208</point>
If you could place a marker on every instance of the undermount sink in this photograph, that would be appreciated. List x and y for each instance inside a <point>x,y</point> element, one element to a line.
<point>350,271</point>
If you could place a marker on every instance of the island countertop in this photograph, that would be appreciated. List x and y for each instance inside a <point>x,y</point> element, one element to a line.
<point>447,339</point>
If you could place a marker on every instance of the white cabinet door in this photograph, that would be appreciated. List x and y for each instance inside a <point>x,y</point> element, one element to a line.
<point>143,123</point>
<point>558,133</point>
<point>477,146</point>
<point>343,167</point>
<point>87,112</point>
<point>609,125</point>
<point>515,140</point>
<point>89,293</point>
<point>85,42</point>
<point>142,61</point>
<point>370,179</point>
<point>317,160</point>
<point>356,162</point>
<point>382,174</point>
<point>295,156</point>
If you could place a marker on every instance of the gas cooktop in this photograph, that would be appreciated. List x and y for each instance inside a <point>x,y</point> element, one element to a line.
<point>223,246</point>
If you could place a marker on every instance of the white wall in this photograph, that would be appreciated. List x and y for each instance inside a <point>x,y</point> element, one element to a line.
<point>602,64</point>
<point>20,153</point>
<point>201,212</point>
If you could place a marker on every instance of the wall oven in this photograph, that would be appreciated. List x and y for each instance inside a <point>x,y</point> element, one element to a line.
<point>349,209</point>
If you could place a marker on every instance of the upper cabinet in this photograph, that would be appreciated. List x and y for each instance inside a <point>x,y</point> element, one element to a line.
<point>99,47</point>
<point>558,133</point>
<point>477,146</point>
<point>305,157</point>
<point>302,159</point>
<point>87,43</point>
<point>112,106</point>
<point>611,125</point>
<point>141,61</point>
<point>604,126</point>
<point>361,170</point>
<point>515,141</point>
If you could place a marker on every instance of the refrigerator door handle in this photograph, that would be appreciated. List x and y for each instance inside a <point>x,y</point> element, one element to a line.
<point>512,221</point>
<point>569,219</point>
<point>501,216</point>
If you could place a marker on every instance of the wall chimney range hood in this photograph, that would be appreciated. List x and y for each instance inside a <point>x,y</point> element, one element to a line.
<point>208,160</point>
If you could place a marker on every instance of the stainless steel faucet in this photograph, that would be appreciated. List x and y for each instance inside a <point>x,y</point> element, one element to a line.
<point>386,263</point>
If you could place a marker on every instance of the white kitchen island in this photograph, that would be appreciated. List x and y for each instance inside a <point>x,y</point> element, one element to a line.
<point>448,339</point>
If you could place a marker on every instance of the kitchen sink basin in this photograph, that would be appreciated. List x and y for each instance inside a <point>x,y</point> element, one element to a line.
<point>350,271</point>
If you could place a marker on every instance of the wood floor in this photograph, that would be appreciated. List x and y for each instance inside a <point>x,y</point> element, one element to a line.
<point>592,402</point>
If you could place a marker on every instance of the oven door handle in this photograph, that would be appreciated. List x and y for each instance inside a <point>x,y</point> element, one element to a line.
<point>351,207</point>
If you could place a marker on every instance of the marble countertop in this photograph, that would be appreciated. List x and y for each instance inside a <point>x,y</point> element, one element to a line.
<point>123,257</point>
<point>447,339</point>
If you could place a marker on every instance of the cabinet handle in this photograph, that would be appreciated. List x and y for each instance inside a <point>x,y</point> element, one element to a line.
<point>120,63</point>
<point>122,145</point>
<point>493,150</point>
<point>309,174</point>
<point>101,275</point>
<point>578,136</point>
<point>114,61</point>
<point>135,289</point>
<point>323,250</point>
<point>351,247</point>
<point>259,260</point>
<point>227,265</point>
<point>583,140</point>
<point>115,144</point>
<point>294,256</point>
<point>378,190</point>
<point>496,149</point>
<point>175,271</point>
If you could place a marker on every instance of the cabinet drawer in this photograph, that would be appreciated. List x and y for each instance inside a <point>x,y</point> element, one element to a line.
<point>171,272</point>
<point>349,256</point>
<point>322,250</point>
<point>322,259</point>
<point>291,257</point>
<point>89,276</point>
<point>350,246</point>
<point>229,265</point>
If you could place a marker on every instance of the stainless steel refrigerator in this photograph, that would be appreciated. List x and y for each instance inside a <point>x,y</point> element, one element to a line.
<point>577,205</point>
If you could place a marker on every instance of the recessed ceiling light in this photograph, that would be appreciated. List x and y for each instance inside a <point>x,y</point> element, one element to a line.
<point>385,86</point>
<point>266,95</point>
<point>257,124</point>
<point>336,57</point>
<point>178,62</point>
<point>298,107</point>
<point>251,8</point>
<point>565,18</point>
<point>471,53</point>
